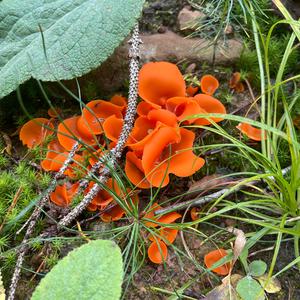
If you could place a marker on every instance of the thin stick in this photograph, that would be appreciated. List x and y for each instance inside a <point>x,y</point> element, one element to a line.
<point>206,199</point>
<point>33,219</point>
<point>112,157</point>
<point>12,205</point>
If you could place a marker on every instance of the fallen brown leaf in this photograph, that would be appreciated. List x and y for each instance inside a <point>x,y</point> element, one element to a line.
<point>239,243</point>
<point>8,143</point>
<point>208,183</point>
<point>225,291</point>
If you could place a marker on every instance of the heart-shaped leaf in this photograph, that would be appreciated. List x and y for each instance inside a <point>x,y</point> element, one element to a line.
<point>91,272</point>
<point>250,289</point>
<point>257,268</point>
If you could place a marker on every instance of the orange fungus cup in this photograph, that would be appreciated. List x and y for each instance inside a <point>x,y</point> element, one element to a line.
<point>158,252</point>
<point>213,257</point>
<point>159,81</point>
<point>35,131</point>
<point>209,84</point>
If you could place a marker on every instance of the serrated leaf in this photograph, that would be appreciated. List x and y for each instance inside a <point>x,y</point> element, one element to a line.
<point>91,272</point>
<point>257,268</point>
<point>77,36</point>
<point>250,289</point>
<point>2,289</point>
<point>271,285</point>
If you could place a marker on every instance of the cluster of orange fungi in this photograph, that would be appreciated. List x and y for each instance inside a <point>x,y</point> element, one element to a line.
<point>158,145</point>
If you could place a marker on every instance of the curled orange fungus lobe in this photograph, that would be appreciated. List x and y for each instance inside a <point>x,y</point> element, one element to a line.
<point>116,212</point>
<point>68,134</point>
<point>34,132</point>
<point>184,107</point>
<point>58,160</point>
<point>94,114</point>
<point>112,127</point>
<point>135,172</point>
<point>62,195</point>
<point>170,151</point>
<point>210,105</point>
<point>167,235</point>
<point>159,81</point>
<point>209,84</point>
<point>213,257</point>
<point>251,132</point>
<point>150,215</point>
<point>120,101</point>
<point>191,90</point>
<point>54,149</point>
<point>105,197</point>
<point>145,127</point>
<point>143,108</point>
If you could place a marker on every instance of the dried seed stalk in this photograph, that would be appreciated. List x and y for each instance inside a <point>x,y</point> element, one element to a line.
<point>32,222</point>
<point>112,157</point>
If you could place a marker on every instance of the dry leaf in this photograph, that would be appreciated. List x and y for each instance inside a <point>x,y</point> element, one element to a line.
<point>208,183</point>
<point>273,285</point>
<point>225,291</point>
<point>239,243</point>
<point>8,143</point>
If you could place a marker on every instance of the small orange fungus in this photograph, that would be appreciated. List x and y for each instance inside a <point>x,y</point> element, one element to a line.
<point>213,257</point>
<point>235,82</point>
<point>158,252</point>
<point>209,84</point>
<point>192,90</point>
<point>251,132</point>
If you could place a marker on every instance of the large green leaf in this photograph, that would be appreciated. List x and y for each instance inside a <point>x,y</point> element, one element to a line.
<point>93,271</point>
<point>59,39</point>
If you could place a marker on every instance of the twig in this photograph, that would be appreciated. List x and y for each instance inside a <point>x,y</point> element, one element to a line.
<point>33,219</point>
<point>112,157</point>
<point>208,198</point>
<point>12,205</point>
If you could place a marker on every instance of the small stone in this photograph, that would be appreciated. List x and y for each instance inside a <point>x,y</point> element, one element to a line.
<point>188,19</point>
<point>162,29</point>
<point>191,68</point>
<point>228,29</point>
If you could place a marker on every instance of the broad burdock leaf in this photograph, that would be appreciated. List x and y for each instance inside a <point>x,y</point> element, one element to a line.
<point>91,272</point>
<point>257,268</point>
<point>59,39</point>
<point>250,289</point>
